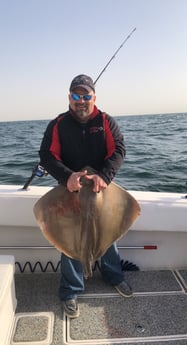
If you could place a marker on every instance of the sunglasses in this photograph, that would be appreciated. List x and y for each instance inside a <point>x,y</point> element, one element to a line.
<point>77,97</point>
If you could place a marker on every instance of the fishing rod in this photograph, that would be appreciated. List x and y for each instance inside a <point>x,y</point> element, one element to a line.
<point>108,63</point>
<point>38,169</point>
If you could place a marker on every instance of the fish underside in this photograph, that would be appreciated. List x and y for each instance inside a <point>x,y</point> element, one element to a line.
<point>84,224</point>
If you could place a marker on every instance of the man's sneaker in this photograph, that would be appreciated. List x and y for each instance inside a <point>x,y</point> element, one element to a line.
<point>124,289</point>
<point>71,308</point>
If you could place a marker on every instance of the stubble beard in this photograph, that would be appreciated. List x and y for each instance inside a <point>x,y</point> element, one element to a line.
<point>82,114</point>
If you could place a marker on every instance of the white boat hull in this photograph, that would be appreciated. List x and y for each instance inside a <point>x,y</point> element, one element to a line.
<point>162,225</point>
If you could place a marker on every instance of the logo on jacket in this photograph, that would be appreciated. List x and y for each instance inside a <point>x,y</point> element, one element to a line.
<point>96,129</point>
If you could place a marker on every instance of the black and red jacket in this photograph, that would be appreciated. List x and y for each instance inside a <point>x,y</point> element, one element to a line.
<point>69,146</point>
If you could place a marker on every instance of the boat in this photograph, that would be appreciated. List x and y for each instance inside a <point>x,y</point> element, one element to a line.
<point>154,256</point>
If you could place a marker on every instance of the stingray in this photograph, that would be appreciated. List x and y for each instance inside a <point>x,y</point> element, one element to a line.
<point>84,224</point>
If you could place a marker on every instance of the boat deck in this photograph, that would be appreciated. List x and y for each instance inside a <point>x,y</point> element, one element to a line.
<point>155,315</point>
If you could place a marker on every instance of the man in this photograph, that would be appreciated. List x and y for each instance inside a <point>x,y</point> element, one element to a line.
<point>84,136</point>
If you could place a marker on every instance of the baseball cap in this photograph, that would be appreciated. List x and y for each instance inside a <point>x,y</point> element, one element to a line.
<point>83,81</point>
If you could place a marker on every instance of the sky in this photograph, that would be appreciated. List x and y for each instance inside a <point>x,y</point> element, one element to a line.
<point>46,43</point>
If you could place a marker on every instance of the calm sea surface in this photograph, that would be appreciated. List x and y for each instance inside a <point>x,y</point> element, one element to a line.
<point>156,157</point>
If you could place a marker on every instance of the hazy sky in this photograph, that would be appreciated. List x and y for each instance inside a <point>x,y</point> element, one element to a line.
<point>46,43</point>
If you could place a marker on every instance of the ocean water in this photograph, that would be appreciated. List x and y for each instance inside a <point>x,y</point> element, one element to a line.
<point>156,157</point>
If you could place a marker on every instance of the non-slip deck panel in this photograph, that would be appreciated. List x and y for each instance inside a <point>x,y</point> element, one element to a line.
<point>156,315</point>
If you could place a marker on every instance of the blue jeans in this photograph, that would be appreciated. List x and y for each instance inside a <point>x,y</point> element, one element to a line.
<point>72,280</point>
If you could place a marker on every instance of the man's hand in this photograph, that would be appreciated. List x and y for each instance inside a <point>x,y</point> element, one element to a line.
<point>99,183</point>
<point>73,183</point>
